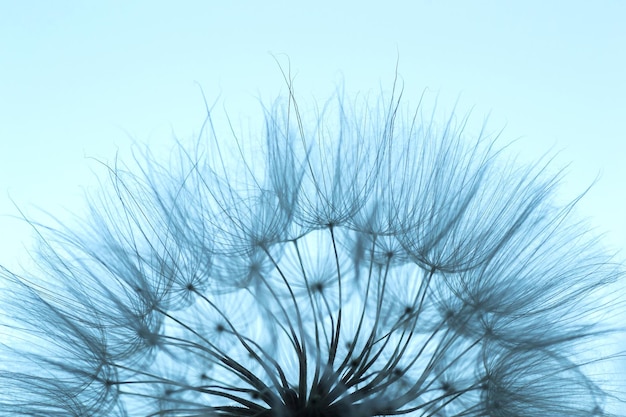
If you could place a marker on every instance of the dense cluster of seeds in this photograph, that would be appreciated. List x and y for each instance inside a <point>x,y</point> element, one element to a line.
<point>361,262</point>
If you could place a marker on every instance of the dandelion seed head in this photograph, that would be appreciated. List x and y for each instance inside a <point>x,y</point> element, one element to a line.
<point>363,260</point>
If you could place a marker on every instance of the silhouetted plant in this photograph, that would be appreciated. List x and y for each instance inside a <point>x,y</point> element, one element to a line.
<point>365,261</point>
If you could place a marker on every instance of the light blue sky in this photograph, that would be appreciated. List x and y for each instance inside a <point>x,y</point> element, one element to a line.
<point>84,79</point>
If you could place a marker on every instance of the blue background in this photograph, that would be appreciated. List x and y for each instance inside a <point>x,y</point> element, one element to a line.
<point>82,79</point>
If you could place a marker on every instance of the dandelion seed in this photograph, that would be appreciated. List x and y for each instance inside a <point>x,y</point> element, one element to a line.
<point>373,264</point>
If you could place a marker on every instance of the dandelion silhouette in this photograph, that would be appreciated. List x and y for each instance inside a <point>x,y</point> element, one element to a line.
<point>365,261</point>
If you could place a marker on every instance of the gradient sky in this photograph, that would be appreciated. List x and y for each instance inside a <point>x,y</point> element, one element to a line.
<point>84,79</point>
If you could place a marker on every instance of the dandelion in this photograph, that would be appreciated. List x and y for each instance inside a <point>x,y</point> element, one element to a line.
<point>365,261</point>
